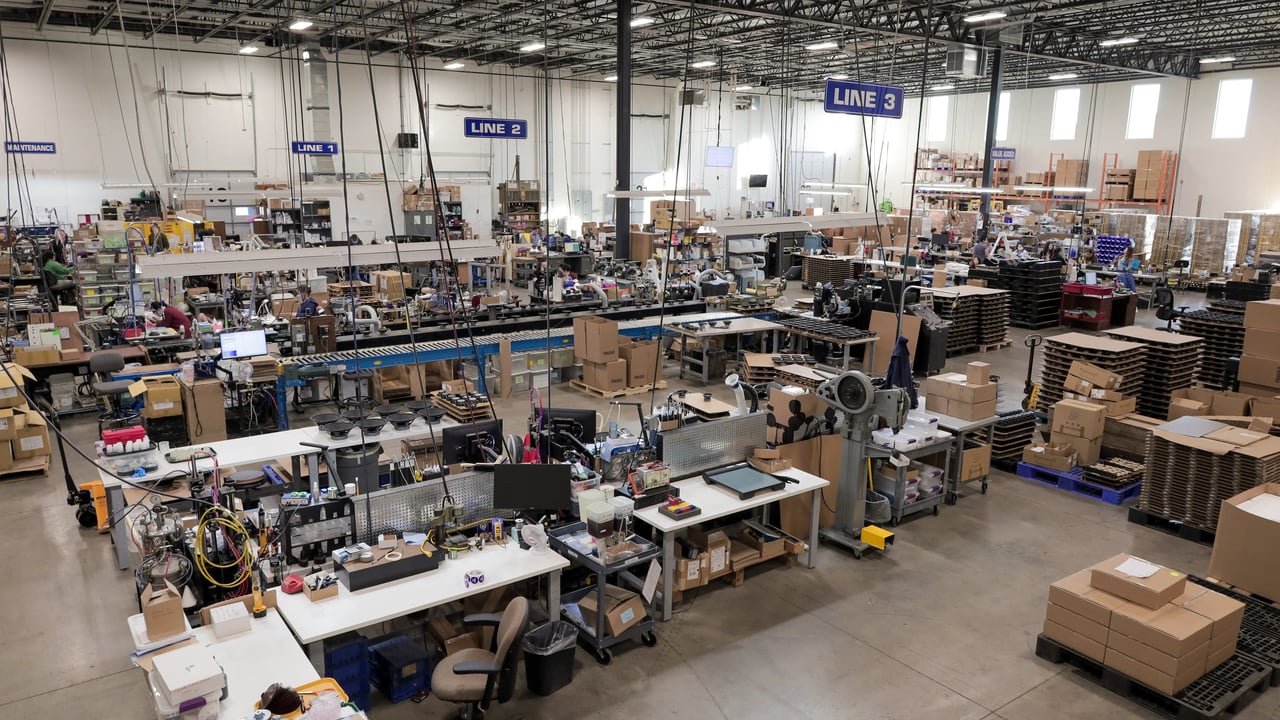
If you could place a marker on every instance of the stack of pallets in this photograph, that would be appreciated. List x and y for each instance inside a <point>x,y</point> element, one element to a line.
<point>1115,473</point>
<point>979,317</point>
<point>1036,293</point>
<point>1222,327</point>
<point>819,269</point>
<point>1013,432</point>
<point>1126,359</point>
<point>1172,361</point>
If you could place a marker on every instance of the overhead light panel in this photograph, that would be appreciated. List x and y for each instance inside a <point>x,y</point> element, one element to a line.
<point>852,186</point>
<point>532,47</point>
<point>742,88</point>
<point>1053,190</point>
<point>703,64</point>
<point>306,55</point>
<point>300,25</point>
<point>984,17</point>
<point>1064,76</point>
<point>838,76</point>
<point>824,45</point>
<point>942,88</point>
<point>642,21</point>
<point>834,193</point>
<point>455,65</point>
<point>249,49</point>
<point>1213,61</point>
<point>611,78</point>
<point>1118,41</point>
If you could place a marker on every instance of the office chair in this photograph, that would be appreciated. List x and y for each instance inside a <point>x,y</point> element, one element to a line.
<point>475,677</point>
<point>101,365</point>
<point>1163,301</point>
<point>65,296</point>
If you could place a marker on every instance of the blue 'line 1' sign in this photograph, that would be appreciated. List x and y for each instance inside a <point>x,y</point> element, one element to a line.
<point>856,98</point>
<point>1004,153</point>
<point>14,147</point>
<point>497,128</point>
<point>307,147</point>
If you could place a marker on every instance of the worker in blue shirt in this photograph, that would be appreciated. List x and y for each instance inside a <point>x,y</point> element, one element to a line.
<point>307,305</point>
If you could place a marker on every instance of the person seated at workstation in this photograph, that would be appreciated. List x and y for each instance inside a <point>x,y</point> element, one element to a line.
<point>61,274</point>
<point>307,305</point>
<point>1125,264</point>
<point>172,318</point>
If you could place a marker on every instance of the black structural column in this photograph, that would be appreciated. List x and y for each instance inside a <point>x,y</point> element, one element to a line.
<point>622,139</point>
<point>993,112</point>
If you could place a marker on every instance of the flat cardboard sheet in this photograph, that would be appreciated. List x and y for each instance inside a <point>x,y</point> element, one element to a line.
<point>884,325</point>
<point>1192,426</point>
<point>1265,506</point>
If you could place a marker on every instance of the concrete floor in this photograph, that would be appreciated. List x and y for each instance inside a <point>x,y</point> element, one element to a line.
<point>943,626</point>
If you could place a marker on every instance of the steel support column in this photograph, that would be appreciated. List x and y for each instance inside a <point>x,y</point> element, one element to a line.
<point>993,112</point>
<point>622,139</point>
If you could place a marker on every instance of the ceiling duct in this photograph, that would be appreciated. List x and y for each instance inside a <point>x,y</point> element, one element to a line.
<point>318,106</point>
<point>965,61</point>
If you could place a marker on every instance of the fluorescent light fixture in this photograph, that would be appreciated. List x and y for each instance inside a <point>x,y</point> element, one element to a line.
<point>703,64</point>
<point>983,17</point>
<point>532,47</point>
<point>824,45</point>
<point>834,193</point>
<point>642,21</point>
<point>1054,190</point>
<point>1118,41</point>
<point>742,88</point>
<point>300,25</point>
<point>699,192</point>
<point>611,78</point>
<point>953,188</point>
<point>306,54</point>
<point>455,65</point>
<point>852,186</point>
<point>838,76</point>
<point>1064,76</point>
<point>1211,61</point>
<point>251,49</point>
<point>941,88</point>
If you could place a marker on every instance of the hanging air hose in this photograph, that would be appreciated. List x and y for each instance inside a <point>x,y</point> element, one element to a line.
<point>218,523</point>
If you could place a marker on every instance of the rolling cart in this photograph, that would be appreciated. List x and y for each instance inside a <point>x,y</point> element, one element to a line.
<point>593,637</point>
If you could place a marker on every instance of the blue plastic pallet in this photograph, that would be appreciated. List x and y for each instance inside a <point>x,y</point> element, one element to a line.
<point>1073,481</point>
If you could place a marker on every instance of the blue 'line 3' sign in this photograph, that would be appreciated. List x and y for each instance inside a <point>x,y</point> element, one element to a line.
<point>15,147</point>
<point>856,98</point>
<point>307,147</point>
<point>496,128</point>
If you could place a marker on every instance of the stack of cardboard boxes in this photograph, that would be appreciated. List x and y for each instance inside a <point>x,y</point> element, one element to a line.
<point>1071,173</point>
<point>1259,372</point>
<point>390,283</point>
<point>24,436</point>
<point>671,214</point>
<point>1143,620</point>
<point>1154,176</point>
<point>1199,401</point>
<point>1119,184</point>
<point>968,396</point>
<point>595,343</point>
<point>1080,425</point>
<point>1089,383</point>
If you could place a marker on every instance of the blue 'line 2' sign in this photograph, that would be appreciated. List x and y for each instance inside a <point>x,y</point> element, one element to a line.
<point>1004,153</point>
<point>306,147</point>
<point>14,147</point>
<point>496,128</point>
<point>855,98</point>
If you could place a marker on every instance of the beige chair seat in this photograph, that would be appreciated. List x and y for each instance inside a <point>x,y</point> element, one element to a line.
<point>460,688</point>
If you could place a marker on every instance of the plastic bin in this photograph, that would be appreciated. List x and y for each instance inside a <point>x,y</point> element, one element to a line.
<point>878,509</point>
<point>399,668</point>
<point>548,656</point>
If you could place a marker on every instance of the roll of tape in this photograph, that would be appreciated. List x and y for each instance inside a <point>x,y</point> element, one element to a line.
<point>474,578</point>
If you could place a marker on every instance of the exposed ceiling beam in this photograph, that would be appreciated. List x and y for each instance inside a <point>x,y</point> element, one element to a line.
<point>44,14</point>
<point>106,18</point>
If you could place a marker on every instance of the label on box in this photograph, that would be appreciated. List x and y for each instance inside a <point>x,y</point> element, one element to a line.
<point>719,559</point>
<point>627,616</point>
<point>163,405</point>
<point>1137,568</point>
<point>31,444</point>
<point>8,392</point>
<point>691,573</point>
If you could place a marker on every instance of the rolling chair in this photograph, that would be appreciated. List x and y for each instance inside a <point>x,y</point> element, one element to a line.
<point>64,296</point>
<point>101,365</point>
<point>474,677</point>
<point>1163,301</point>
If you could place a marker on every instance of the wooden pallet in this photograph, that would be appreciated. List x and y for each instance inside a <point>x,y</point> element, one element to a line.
<point>29,467</point>
<point>462,414</point>
<point>624,392</point>
<point>995,346</point>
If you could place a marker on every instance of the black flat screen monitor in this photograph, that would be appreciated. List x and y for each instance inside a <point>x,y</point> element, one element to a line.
<point>531,487</point>
<point>579,423</point>
<point>758,181</point>
<point>463,443</point>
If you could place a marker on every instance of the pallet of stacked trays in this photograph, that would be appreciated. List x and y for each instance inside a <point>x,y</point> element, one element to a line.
<point>834,269</point>
<point>993,319</point>
<point>1126,359</point>
<point>758,368</point>
<point>1013,432</point>
<point>967,308</point>
<point>1222,328</point>
<point>1172,361</point>
<point>1036,293</point>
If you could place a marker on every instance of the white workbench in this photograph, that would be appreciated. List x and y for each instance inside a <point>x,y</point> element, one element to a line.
<point>717,502</point>
<point>253,660</point>
<point>739,326</point>
<point>252,450</point>
<point>312,622</point>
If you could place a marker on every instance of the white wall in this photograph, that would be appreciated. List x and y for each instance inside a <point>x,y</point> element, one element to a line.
<point>103,107</point>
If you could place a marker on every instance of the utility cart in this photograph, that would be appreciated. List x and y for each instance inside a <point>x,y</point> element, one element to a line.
<point>567,542</point>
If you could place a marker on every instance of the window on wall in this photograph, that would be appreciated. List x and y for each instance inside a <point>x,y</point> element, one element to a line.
<point>935,129</point>
<point>1066,111</point>
<point>1002,117</point>
<point>1232,113</point>
<point>1144,100</point>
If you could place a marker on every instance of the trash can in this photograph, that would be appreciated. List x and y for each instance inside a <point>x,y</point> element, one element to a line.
<point>548,656</point>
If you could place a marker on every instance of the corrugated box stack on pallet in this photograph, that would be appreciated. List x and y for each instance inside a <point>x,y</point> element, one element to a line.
<point>819,269</point>
<point>1172,361</point>
<point>1125,359</point>
<point>1155,174</point>
<point>1259,372</point>
<point>1259,233</point>
<point>24,435</point>
<point>1071,173</point>
<point>1144,621</point>
<point>1119,184</point>
<point>1189,475</point>
<point>1222,327</point>
<point>1171,241</point>
<point>1209,244</point>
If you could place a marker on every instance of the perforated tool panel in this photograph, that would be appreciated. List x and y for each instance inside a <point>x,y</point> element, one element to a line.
<point>402,509</point>
<point>691,449</point>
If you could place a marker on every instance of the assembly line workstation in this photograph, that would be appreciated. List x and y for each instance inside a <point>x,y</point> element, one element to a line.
<point>704,331</point>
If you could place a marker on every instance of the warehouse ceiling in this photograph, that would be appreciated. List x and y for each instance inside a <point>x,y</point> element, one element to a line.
<point>791,44</point>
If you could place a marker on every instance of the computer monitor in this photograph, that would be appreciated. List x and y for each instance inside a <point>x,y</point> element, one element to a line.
<point>718,156</point>
<point>576,422</point>
<point>532,487</point>
<point>250,343</point>
<point>757,181</point>
<point>476,442</point>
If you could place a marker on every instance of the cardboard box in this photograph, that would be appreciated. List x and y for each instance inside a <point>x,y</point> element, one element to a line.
<point>1262,371</point>
<point>31,440</point>
<point>792,417</point>
<point>9,424</point>
<point>1230,404</point>
<point>1117,408</point>
<point>1189,401</point>
<point>1077,386</point>
<point>978,373</point>
<point>318,595</point>
<point>1247,535</point>
<point>1262,314</point>
<point>390,282</point>
<point>1088,450</point>
<point>690,574</point>
<point>769,465</point>
<point>642,362</point>
<point>1127,577</point>
<point>1089,648</point>
<point>955,386</point>
<point>36,355</point>
<point>187,673</point>
<point>1094,375</point>
<point>1060,457</point>
<point>1097,632</point>
<point>1148,675</point>
<point>716,546</point>
<point>622,609</point>
<point>1075,593</point>
<point>64,322</point>
<point>162,611</point>
<point>163,397</point>
<point>1262,343</point>
<point>766,549</point>
<point>1079,419</point>
<point>1170,629</point>
<point>975,462</point>
<point>595,339</point>
<point>1167,664</point>
<point>1267,406</point>
<point>203,410</point>
<point>606,376</point>
<point>742,555</point>
<point>1226,614</point>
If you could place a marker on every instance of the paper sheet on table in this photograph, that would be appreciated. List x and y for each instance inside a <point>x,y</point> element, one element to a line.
<point>1134,567</point>
<point>414,538</point>
<point>1264,506</point>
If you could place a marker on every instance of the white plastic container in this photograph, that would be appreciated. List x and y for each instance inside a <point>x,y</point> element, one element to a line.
<point>599,517</point>
<point>901,442</point>
<point>623,507</point>
<point>164,711</point>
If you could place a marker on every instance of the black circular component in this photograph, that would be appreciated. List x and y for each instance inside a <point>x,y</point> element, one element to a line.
<point>247,478</point>
<point>418,405</point>
<point>851,392</point>
<point>431,414</point>
<point>402,420</point>
<point>353,415</point>
<point>388,410</point>
<point>325,418</point>
<point>340,429</point>
<point>372,426</point>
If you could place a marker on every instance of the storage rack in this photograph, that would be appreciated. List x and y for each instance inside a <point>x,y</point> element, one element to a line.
<point>746,257</point>
<point>1035,293</point>
<point>521,203</point>
<point>1126,359</point>
<point>101,279</point>
<point>1078,300</point>
<point>317,220</point>
<point>1222,327</point>
<point>1172,361</point>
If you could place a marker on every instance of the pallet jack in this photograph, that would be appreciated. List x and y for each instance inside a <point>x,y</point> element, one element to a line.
<point>1032,389</point>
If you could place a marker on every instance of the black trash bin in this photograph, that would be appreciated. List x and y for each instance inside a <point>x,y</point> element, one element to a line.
<point>548,656</point>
